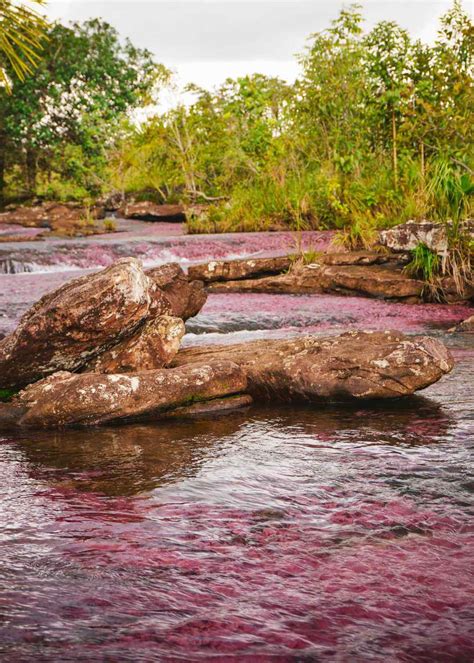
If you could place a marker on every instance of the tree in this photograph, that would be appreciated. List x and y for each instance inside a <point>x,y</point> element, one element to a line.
<point>85,83</point>
<point>388,54</point>
<point>330,92</point>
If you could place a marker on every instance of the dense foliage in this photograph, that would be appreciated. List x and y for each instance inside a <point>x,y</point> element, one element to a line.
<point>56,127</point>
<point>376,130</point>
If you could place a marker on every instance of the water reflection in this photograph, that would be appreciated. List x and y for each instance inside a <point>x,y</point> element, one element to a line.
<point>271,534</point>
<point>133,459</point>
<point>125,460</point>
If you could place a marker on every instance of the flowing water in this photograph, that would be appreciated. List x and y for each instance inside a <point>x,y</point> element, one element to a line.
<point>341,533</point>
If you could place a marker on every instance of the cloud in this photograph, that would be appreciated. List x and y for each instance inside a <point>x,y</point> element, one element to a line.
<point>204,36</point>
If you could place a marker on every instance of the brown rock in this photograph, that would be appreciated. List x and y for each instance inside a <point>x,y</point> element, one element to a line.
<point>152,346</point>
<point>370,281</point>
<point>186,297</point>
<point>465,326</point>
<point>67,399</point>
<point>61,219</point>
<point>148,211</point>
<point>354,258</point>
<point>450,292</point>
<point>406,236</point>
<point>72,325</point>
<point>294,283</point>
<point>230,270</point>
<point>216,406</point>
<point>233,270</point>
<point>355,365</point>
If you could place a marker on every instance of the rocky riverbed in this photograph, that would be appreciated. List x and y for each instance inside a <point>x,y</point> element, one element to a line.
<point>278,532</point>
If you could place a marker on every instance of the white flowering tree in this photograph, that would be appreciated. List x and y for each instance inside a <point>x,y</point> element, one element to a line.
<point>64,116</point>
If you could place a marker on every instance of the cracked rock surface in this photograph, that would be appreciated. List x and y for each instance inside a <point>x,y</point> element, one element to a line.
<point>354,365</point>
<point>68,399</point>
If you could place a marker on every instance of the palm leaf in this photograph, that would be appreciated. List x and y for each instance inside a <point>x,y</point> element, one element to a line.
<point>22,31</point>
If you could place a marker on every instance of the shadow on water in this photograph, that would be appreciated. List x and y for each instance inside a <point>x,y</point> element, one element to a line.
<point>128,460</point>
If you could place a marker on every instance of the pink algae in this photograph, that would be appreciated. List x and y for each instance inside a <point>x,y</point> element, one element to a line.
<point>274,534</point>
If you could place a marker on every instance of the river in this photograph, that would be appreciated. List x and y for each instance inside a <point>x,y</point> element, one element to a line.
<point>337,533</point>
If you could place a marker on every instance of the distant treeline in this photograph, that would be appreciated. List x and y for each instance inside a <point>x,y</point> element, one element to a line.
<point>377,129</point>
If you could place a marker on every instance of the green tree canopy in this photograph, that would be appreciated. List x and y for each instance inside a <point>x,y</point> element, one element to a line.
<point>85,82</point>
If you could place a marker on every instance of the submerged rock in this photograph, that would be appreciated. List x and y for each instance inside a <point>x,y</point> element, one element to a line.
<point>186,297</point>
<point>214,407</point>
<point>465,326</point>
<point>68,327</point>
<point>355,365</point>
<point>67,399</point>
<point>152,346</point>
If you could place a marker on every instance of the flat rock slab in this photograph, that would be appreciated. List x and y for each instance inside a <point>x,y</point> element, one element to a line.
<point>356,258</point>
<point>214,407</point>
<point>61,219</point>
<point>230,270</point>
<point>234,270</point>
<point>67,399</point>
<point>384,282</point>
<point>355,365</point>
<point>149,211</point>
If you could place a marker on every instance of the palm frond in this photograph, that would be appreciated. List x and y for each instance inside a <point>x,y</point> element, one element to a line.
<point>22,31</point>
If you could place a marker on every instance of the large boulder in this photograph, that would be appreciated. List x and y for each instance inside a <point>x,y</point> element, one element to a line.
<point>355,365</point>
<point>151,346</point>
<point>67,328</point>
<point>380,281</point>
<point>186,297</point>
<point>67,399</point>
<point>149,211</point>
<point>406,236</point>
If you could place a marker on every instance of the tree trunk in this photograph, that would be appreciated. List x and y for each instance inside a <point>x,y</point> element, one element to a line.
<point>2,168</point>
<point>394,150</point>
<point>31,170</point>
<point>3,158</point>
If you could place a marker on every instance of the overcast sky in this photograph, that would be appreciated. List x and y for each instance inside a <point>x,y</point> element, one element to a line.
<point>205,41</point>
